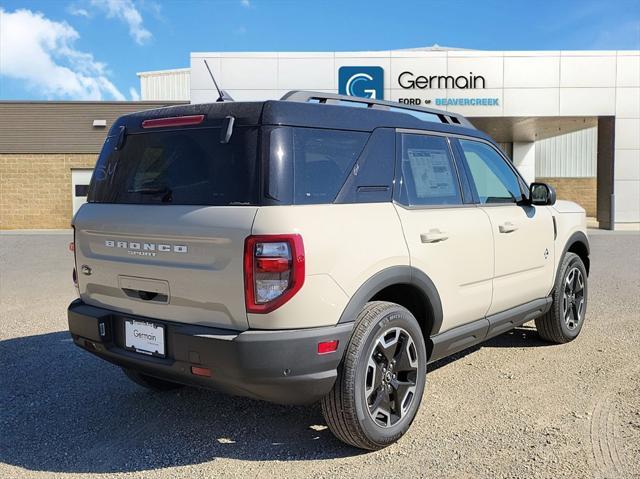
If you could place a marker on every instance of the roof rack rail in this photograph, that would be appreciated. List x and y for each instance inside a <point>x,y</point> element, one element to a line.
<point>332,98</point>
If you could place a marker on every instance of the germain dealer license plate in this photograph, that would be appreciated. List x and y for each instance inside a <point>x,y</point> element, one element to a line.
<point>144,337</point>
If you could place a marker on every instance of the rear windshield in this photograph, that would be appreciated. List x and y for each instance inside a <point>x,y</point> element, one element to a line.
<point>181,167</point>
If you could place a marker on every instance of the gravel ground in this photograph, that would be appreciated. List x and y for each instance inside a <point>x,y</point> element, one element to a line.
<point>515,407</point>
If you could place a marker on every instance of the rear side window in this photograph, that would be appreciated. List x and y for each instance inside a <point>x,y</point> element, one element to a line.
<point>308,165</point>
<point>429,176</point>
<point>182,167</point>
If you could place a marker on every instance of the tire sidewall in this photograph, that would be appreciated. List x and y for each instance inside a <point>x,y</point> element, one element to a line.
<point>570,262</point>
<point>396,317</point>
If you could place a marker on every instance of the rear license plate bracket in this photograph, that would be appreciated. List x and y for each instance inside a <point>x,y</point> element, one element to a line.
<point>145,337</point>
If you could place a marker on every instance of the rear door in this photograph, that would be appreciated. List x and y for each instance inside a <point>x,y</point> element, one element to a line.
<point>163,233</point>
<point>523,234</point>
<point>448,237</point>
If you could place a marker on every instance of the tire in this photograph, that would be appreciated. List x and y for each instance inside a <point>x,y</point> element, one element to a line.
<point>355,408</point>
<point>149,382</point>
<point>561,325</point>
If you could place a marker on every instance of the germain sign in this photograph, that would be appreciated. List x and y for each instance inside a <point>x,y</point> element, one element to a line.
<point>368,82</point>
<point>408,80</point>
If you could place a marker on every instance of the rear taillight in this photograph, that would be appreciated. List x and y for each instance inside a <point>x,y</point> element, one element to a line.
<point>273,271</point>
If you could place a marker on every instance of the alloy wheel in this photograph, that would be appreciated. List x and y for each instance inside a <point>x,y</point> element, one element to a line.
<point>573,298</point>
<point>391,375</point>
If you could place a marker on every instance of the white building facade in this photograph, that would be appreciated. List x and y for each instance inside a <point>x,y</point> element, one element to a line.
<point>572,117</point>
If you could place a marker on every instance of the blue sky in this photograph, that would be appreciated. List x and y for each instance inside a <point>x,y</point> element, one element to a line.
<point>92,49</point>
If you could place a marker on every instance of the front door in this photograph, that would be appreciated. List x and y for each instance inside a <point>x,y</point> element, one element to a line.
<point>450,240</point>
<point>523,234</point>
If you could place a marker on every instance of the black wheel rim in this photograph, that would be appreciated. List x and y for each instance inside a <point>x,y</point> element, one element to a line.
<point>573,298</point>
<point>390,379</point>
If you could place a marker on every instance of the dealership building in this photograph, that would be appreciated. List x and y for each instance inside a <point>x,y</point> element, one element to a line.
<point>569,118</point>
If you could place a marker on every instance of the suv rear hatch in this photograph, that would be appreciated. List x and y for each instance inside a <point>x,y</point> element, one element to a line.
<point>170,205</point>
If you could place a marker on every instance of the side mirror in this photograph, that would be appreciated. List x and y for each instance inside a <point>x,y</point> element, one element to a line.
<point>542,194</point>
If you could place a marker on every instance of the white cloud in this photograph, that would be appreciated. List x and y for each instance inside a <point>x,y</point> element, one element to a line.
<point>127,12</point>
<point>133,93</point>
<point>245,3</point>
<point>77,11</point>
<point>41,52</point>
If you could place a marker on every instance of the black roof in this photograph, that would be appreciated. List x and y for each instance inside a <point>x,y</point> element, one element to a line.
<point>305,114</point>
<point>317,115</point>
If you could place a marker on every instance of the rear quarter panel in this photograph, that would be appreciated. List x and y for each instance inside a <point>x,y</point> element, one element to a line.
<point>344,246</point>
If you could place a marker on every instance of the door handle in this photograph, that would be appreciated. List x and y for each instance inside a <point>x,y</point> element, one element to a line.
<point>507,227</point>
<point>433,236</point>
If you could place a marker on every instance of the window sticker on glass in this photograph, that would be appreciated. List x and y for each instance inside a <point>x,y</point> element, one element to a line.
<point>431,172</point>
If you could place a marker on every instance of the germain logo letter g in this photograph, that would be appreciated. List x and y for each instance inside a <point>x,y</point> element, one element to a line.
<point>364,82</point>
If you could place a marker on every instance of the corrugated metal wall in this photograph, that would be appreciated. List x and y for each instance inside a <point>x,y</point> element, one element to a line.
<point>60,127</point>
<point>573,155</point>
<point>166,85</point>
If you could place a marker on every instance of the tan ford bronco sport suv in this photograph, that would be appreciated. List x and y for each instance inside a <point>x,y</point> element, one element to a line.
<point>317,248</point>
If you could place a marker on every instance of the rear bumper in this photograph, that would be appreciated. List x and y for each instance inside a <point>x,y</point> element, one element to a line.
<point>279,366</point>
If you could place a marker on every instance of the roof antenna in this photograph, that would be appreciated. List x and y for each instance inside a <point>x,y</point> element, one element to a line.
<point>223,95</point>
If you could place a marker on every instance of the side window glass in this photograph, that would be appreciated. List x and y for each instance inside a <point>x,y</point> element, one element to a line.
<point>371,178</point>
<point>494,181</point>
<point>428,172</point>
<point>323,159</point>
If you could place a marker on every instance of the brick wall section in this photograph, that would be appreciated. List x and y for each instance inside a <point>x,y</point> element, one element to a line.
<point>579,190</point>
<point>35,190</point>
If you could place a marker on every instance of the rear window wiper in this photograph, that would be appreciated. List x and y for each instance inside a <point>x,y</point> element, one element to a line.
<point>167,197</point>
<point>122,134</point>
<point>149,190</point>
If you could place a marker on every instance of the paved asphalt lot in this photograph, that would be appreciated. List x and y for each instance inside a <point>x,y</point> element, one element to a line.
<point>515,407</point>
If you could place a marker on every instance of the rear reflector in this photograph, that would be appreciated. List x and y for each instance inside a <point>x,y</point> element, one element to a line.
<point>326,347</point>
<point>72,246</point>
<point>204,372</point>
<point>173,121</point>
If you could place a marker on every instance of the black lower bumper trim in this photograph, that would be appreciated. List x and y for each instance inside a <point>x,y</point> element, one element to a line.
<point>280,366</point>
